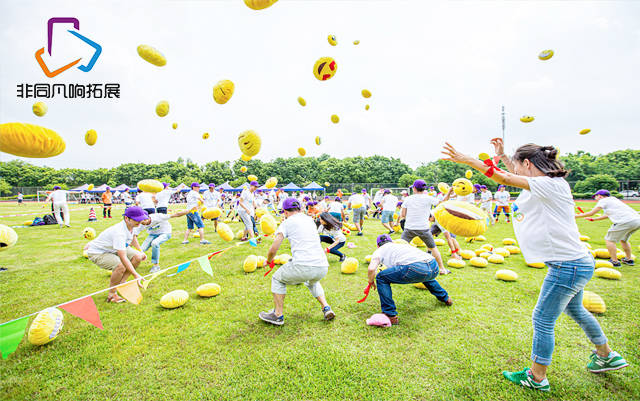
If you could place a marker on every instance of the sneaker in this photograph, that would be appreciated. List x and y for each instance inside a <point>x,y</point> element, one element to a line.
<point>343,257</point>
<point>359,234</point>
<point>328,313</point>
<point>184,242</point>
<point>448,302</point>
<point>205,242</point>
<point>445,271</point>
<point>612,362</point>
<point>154,269</point>
<point>270,317</point>
<point>525,379</point>
<point>393,319</point>
<point>391,232</point>
<point>615,263</point>
<point>627,261</point>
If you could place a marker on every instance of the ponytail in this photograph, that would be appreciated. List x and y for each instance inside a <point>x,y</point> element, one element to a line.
<point>543,157</point>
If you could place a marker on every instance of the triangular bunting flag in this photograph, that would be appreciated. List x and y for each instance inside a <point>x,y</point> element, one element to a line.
<point>131,292</point>
<point>205,265</point>
<point>182,267</point>
<point>146,281</point>
<point>85,309</point>
<point>11,334</point>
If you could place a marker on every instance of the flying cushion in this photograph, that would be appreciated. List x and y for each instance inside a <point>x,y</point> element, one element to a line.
<point>28,140</point>
<point>153,186</point>
<point>8,237</point>
<point>461,218</point>
<point>225,232</point>
<point>593,302</point>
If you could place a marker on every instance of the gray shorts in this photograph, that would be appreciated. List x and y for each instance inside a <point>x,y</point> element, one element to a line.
<point>246,219</point>
<point>622,231</point>
<point>425,236</point>
<point>292,274</point>
<point>358,214</point>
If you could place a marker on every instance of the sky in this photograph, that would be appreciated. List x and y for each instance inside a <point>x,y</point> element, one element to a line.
<point>437,71</point>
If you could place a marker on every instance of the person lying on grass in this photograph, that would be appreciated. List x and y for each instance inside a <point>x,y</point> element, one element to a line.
<point>626,221</point>
<point>405,265</point>
<point>545,227</point>
<point>111,250</point>
<point>308,265</point>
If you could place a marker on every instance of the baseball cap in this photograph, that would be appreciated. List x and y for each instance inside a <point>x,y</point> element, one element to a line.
<point>254,184</point>
<point>338,199</point>
<point>326,197</point>
<point>483,187</point>
<point>195,184</point>
<point>383,239</point>
<point>56,187</point>
<point>136,213</point>
<point>399,204</point>
<point>165,185</point>
<point>290,203</point>
<point>603,192</point>
<point>386,191</point>
<point>212,185</point>
<point>419,185</point>
<point>364,191</point>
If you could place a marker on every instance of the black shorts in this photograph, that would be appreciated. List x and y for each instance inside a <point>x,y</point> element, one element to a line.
<point>162,210</point>
<point>150,210</point>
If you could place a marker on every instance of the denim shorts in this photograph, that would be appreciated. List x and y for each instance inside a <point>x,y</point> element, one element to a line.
<point>358,214</point>
<point>387,216</point>
<point>194,219</point>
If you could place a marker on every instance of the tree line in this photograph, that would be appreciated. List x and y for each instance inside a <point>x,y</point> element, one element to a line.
<point>585,168</point>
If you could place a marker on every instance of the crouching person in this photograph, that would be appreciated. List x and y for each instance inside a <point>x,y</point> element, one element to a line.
<point>309,264</point>
<point>405,265</point>
<point>111,250</point>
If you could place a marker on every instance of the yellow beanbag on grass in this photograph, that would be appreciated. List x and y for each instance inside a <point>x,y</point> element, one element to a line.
<point>457,263</point>
<point>174,299</point>
<point>261,262</point>
<point>497,259</point>
<point>467,254</point>
<point>250,264</point>
<point>603,263</point>
<point>439,242</point>
<point>512,249</point>
<point>602,253</point>
<point>478,262</point>
<point>606,272</point>
<point>506,275</point>
<point>46,326</point>
<point>502,252</point>
<point>224,231</point>
<point>508,241</point>
<point>537,265</point>
<point>349,266</point>
<point>208,290</point>
<point>593,302</point>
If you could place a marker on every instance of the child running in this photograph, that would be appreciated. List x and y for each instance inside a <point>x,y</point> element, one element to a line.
<point>193,217</point>
<point>502,204</point>
<point>389,205</point>
<point>546,230</point>
<point>309,264</point>
<point>330,231</point>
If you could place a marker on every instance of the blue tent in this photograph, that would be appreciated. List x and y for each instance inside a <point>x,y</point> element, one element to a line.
<point>313,187</point>
<point>226,187</point>
<point>291,187</point>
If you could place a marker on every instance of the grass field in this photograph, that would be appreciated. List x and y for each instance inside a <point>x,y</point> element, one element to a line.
<point>218,349</point>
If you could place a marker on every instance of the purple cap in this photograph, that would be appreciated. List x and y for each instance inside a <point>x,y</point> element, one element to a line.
<point>136,213</point>
<point>377,203</point>
<point>432,187</point>
<point>254,184</point>
<point>165,185</point>
<point>212,185</point>
<point>383,239</point>
<point>399,204</point>
<point>337,199</point>
<point>56,187</point>
<point>108,189</point>
<point>326,197</point>
<point>501,186</point>
<point>290,203</point>
<point>195,184</point>
<point>483,187</point>
<point>306,198</point>
<point>603,192</point>
<point>477,186</point>
<point>387,191</point>
<point>364,191</point>
<point>420,185</point>
<point>310,203</point>
<point>259,191</point>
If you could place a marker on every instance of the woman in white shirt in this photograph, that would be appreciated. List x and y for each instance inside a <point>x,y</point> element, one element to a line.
<point>59,198</point>
<point>330,231</point>
<point>546,230</point>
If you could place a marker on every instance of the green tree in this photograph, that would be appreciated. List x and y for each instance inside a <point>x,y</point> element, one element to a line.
<point>596,182</point>
<point>5,187</point>
<point>406,180</point>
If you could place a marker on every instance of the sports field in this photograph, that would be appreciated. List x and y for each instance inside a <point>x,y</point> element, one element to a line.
<point>218,349</point>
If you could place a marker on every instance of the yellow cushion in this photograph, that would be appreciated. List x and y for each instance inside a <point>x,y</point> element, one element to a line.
<point>153,186</point>
<point>174,299</point>
<point>603,263</point>
<point>349,266</point>
<point>602,253</point>
<point>268,224</point>
<point>28,140</point>
<point>417,242</point>
<point>607,272</point>
<point>208,290</point>
<point>461,218</point>
<point>261,261</point>
<point>89,233</point>
<point>455,263</point>
<point>439,242</point>
<point>495,258</point>
<point>502,252</point>
<point>46,326</point>
<point>467,254</point>
<point>478,262</point>
<point>512,249</point>
<point>224,231</point>
<point>506,275</point>
<point>250,264</point>
<point>8,237</point>
<point>508,241</point>
<point>593,302</point>
<point>222,91</point>
<point>211,213</point>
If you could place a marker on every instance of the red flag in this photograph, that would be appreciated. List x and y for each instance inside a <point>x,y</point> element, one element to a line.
<point>85,309</point>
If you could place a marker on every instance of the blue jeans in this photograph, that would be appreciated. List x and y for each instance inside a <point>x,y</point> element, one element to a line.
<point>387,216</point>
<point>194,219</point>
<point>154,241</point>
<point>419,272</point>
<point>334,250</point>
<point>562,291</point>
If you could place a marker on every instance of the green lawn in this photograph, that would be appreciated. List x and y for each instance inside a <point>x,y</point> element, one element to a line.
<point>218,349</point>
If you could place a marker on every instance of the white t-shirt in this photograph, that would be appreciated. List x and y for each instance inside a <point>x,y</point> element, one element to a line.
<point>114,238</point>
<point>378,196</point>
<point>544,222</point>
<point>59,196</point>
<point>127,197</point>
<point>159,225</point>
<point>192,199</point>
<point>301,232</point>
<point>618,211</point>
<point>367,199</point>
<point>485,197</point>
<point>418,210</point>
<point>502,198</point>
<point>467,198</point>
<point>440,197</point>
<point>163,197</point>
<point>247,200</point>
<point>335,207</point>
<point>392,254</point>
<point>145,200</point>
<point>336,234</point>
<point>389,203</point>
<point>356,200</point>
<point>211,199</point>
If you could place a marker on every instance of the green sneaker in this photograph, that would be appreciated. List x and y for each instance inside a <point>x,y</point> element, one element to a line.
<point>612,362</point>
<point>525,379</point>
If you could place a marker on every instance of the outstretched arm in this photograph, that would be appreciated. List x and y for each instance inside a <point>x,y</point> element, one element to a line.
<point>590,213</point>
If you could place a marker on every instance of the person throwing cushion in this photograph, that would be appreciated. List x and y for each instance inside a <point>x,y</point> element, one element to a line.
<point>309,264</point>
<point>405,265</point>
<point>626,221</point>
